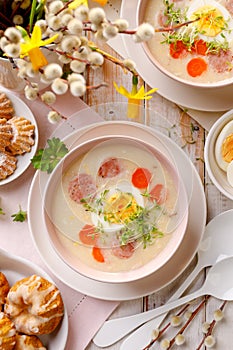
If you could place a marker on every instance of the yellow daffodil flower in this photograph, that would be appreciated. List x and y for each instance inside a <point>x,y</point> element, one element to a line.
<point>134,97</point>
<point>31,47</point>
<point>135,94</point>
<point>74,4</point>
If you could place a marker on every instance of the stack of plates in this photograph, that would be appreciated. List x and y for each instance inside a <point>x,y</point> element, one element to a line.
<point>173,267</point>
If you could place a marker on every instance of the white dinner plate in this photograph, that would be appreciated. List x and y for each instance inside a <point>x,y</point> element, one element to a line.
<point>22,110</point>
<point>202,99</point>
<point>155,281</point>
<point>16,268</point>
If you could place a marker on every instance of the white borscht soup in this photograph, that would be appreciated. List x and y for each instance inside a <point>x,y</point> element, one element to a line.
<point>118,205</point>
<point>198,52</point>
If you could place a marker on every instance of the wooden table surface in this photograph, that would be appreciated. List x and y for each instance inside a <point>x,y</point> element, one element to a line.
<point>192,137</point>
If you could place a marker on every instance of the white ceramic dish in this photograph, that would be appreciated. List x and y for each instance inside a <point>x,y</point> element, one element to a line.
<point>202,99</point>
<point>64,243</point>
<point>142,9</point>
<point>217,175</point>
<point>22,110</point>
<point>16,268</point>
<point>157,280</point>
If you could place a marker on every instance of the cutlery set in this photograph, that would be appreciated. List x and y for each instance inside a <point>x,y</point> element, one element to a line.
<point>216,250</point>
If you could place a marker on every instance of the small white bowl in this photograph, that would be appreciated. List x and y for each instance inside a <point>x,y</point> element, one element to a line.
<point>216,174</point>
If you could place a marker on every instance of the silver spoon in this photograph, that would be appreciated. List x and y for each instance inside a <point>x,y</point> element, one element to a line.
<point>217,240</point>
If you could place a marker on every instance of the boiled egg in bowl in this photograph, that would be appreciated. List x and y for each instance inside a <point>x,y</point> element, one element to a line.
<point>212,20</point>
<point>119,205</point>
<point>224,151</point>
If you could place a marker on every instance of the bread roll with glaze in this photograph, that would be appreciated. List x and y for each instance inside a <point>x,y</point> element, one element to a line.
<point>34,305</point>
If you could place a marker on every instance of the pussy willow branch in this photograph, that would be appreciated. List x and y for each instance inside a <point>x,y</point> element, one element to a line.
<point>59,52</point>
<point>112,59</point>
<point>64,7</point>
<point>157,30</point>
<point>6,19</point>
<point>17,7</point>
<point>210,330</point>
<point>94,48</point>
<point>193,315</point>
<point>165,328</point>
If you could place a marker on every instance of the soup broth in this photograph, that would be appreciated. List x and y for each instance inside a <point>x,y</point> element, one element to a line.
<point>118,220</point>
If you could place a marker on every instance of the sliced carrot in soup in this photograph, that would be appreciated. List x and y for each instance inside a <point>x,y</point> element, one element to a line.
<point>97,254</point>
<point>141,178</point>
<point>178,49</point>
<point>196,67</point>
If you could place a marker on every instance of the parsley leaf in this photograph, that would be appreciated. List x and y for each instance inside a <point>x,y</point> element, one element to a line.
<point>20,216</point>
<point>46,159</point>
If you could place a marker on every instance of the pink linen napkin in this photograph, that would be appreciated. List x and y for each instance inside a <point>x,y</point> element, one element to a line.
<point>15,237</point>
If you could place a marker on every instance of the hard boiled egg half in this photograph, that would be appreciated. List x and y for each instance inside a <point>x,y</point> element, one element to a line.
<point>213,19</point>
<point>224,150</point>
<point>120,203</point>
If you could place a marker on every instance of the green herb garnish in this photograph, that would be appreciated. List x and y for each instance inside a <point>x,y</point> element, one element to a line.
<point>139,225</point>
<point>20,216</point>
<point>46,159</point>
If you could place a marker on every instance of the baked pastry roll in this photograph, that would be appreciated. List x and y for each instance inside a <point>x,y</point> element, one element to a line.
<point>4,288</point>
<point>35,305</point>
<point>28,342</point>
<point>7,332</point>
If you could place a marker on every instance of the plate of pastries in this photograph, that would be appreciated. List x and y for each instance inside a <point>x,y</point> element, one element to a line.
<point>18,137</point>
<point>32,310</point>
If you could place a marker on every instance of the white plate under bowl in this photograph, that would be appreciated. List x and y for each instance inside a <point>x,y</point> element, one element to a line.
<point>155,281</point>
<point>22,110</point>
<point>15,268</point>
<point>217,175</point>
<point>64,242</point>
<point>202,99</point>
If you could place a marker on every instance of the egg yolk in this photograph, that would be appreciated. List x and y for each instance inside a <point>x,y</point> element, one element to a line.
<point>227,149</point>
<point>120,207</point>
<point>211,21</point>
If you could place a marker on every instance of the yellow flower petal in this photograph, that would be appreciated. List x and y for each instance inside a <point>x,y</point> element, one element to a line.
<point>36,35</point>
<point>122,90</point>
<point>48,41</point>
<point>101,2</point>
<point>76,3</point>
<point>37,58</point>
<point>140,94</point>
<point>151,91</point>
